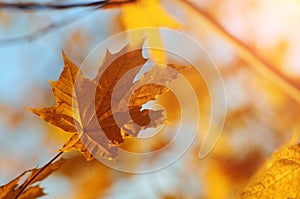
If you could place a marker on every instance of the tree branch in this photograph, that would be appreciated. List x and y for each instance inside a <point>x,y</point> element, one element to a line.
<point>47,29</point>
<point>253,58</point>
<point>57,24</point>
<point>39,7</point>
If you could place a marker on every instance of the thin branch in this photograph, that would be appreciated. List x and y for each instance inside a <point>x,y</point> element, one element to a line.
<point>256,61</point>
<point>40,7</point>
<point>47,29</point>
<point>57,24</point>
<point>38,173</point>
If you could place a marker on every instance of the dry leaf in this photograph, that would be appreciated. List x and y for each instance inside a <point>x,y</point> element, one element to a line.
<point>11,189</point>
<point>84,107</point>
<point>281,180</point>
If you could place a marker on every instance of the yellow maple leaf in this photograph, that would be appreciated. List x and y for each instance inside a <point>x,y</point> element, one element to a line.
<point>85,107</point>
<point>281,180</point>
<point>147,14</point>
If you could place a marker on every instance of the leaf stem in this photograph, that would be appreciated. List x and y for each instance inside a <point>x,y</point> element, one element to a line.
<point>40,171</point>
<point>256,61</point>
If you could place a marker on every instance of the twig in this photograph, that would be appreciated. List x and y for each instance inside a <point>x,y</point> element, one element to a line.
<point>58,24</point>
<point>47,29</point>
<point>256,61</point>
<point>40,171</point>
<point>39,7</point>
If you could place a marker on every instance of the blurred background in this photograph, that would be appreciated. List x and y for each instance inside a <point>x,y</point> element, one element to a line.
<point>262,113</point>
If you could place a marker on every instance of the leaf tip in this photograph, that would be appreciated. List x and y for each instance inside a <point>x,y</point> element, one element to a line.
<point>169,123</point>
<point>51,83</point>
<point>33,110</point>
<point>29,109</point>
<point>65,57</point>
<point>63,53</point>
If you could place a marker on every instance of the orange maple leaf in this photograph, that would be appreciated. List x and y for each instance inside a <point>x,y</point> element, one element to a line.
<point>85,107</point>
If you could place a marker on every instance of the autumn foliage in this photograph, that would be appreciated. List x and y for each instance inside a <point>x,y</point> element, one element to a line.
<point>76,113</point>
<point>94,118</point>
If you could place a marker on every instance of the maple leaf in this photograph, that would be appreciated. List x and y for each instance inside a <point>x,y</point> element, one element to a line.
<point>11,189</point>
<point>147,14</point>
<point>281,180</point>
<point>85,107</point>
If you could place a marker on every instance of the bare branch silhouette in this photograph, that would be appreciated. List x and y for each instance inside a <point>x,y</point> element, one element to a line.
<point>46,30</point>
<point>39,7</point>
<point>57,24</point>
